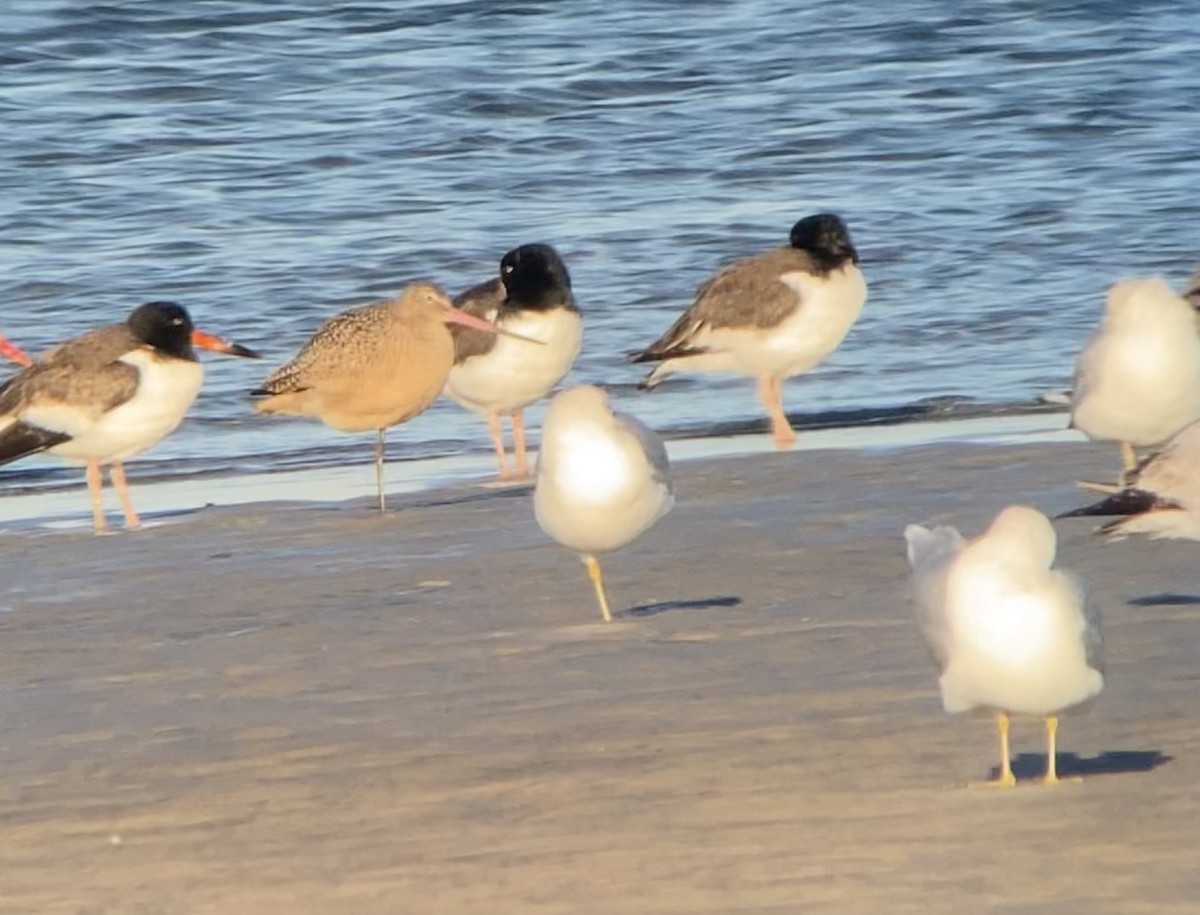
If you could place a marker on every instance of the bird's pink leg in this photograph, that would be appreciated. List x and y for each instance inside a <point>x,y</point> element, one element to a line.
<point>770,392</point>
<point>518,422</point>
<point>497,431</point>
<point>94,482</point>
<point>117,472</point>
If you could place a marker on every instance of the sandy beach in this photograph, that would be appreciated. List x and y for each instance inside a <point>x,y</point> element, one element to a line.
<point>303,709</point>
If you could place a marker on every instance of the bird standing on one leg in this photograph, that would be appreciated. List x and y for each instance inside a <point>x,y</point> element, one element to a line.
<point>1007,631</point>
<point>770,317</point>
<point>603,479</point>
<point>496,376</point>
<point>373,367</point>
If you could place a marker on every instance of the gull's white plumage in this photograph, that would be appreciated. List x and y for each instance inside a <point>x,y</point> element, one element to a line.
<point>1138,378</point>
<point>603,477</point>
<point>1009,632</point>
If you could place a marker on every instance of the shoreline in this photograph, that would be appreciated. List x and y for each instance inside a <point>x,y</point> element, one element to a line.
<point>159,501</point>
<point>315,709</point>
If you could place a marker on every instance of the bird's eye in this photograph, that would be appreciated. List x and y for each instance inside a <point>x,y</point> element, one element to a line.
<point>176,321</point>
<point>508,268</point>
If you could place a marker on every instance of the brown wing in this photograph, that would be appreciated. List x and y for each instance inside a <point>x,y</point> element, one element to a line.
<point>50,403</point>
<point>483,301</point>
<point>341,340</point>
<point>97,347</point>
<point>749,293</point>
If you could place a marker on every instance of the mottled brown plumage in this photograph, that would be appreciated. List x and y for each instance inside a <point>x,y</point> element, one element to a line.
<point>371,367</point>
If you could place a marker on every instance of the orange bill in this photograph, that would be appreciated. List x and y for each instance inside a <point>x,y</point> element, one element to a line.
<point>13,352</point>
<point>457,316</point>
<point>218,345</point>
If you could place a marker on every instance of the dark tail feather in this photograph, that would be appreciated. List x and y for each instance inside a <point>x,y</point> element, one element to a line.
<point>20,440</point>
<point>1125,502</point>
<point>660,355</point>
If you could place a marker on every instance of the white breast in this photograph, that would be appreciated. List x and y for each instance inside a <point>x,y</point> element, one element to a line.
<point>828,308</point>
<point>516,373</point>
<point>166,388</point>
<point>1139,381</point>
<point>1015,645</point>
<point>596,490</point>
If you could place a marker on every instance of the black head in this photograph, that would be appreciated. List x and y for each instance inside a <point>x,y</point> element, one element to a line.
<point>165,326</point>
<point>534,276</point>
<point>826,238</point>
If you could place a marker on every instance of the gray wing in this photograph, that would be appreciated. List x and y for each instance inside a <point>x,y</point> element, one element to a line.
<point>483,301</point>
<point>1173,473</point>
<point>931,553</point>
<point>1093,627</point>
<point>652,446</point>
<point>1087,366</point>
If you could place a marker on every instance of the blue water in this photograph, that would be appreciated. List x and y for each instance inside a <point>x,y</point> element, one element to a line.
<point>999,164</point>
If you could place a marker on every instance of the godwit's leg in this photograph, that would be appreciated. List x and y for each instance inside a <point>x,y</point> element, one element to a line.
<point>117,472</point>
<point>1006,779</point>
<point>1128,456</point>
<point>379,470</point>
<point>497,432</point>
<point>593,568</point>
<point>770,392</point>
<point>1052,755</point>
<point>94,482</point>
<point>518,421</point>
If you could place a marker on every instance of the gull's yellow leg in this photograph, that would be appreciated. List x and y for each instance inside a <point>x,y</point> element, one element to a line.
<point>95,482</point>
<point>1052,755</point>
<point>1128,456</point>
<point>1006,779</point>
<point>593,568</point>
<point>117,472</point>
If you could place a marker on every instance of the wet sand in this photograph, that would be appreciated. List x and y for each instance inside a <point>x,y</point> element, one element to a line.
<point>309,709</point>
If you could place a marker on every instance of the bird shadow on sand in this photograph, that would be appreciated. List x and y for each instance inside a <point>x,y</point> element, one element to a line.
<point>1032,766</point>
<point>1165,599</point>
<point>703,603</point>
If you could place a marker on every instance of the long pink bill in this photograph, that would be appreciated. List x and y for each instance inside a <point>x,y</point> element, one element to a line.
<point>457,316</point>
<point>13,352</point>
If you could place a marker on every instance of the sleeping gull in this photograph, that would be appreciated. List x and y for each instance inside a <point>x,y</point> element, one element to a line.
<point>1008,632</point>
<point>770,317</point>
<point>1137,380</point>
<point>1161,496</point>
<point>602,478</point>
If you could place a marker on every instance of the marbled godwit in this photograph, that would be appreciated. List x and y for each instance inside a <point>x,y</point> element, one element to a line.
<point>495,376</point>
<point>107,395</point>
<point>602,479</point>
<point>1008,632</point>
<point>771,317</point>
<point>372,367</point>
<point>1137,380</point>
